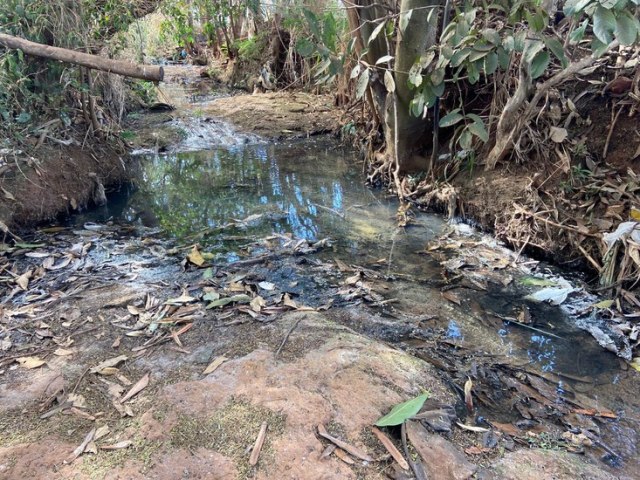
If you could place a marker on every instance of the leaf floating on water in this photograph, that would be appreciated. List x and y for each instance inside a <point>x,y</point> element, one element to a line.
<point>30,362</point>
<point>213,366</point>
<point>137,388</point>
<point>403,411</point>
<point>196,257</point>
<point>538,282</point>
<point>603,304</point>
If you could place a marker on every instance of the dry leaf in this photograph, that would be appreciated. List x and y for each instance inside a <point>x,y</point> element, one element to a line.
<point>257,304</point>
<point>468,398</point>
<point>30,362</point>
<point>80,450</point>
<point>391,448</point>
<point>117,446</point>
<point>23,280</point>
<point>101,432</point>
<point>558,134</point>
<point>342,455</point>
<point>452,297</point>
<point>137,388</point>
<point>322,431</point>
<point>214,365</point>
<point>472,428</point>
<point>288,302</point>
<point>62,352</point>
<point>196,257</point>
<point>108,364</point>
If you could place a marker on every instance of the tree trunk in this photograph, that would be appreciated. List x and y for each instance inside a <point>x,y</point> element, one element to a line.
<point>150,73</point>
<point>405,134</point>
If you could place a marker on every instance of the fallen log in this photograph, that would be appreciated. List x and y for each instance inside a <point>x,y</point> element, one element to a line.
<point>150,73</point>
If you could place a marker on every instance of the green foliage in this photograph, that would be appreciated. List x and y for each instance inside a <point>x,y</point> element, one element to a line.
<point>403,411</point>
<point>31,88</point>
<point>480,41</point>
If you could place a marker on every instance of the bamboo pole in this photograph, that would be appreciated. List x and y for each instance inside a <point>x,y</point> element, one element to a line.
<point>150,73</point>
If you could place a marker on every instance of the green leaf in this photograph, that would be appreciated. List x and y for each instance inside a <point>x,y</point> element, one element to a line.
<point>557,49</point>
<point>376,32</point>
<point>24,117</point>
<point>578,34</point>
<point>29,245</point>
<point>603,304</point>
<point>465,140</point>
<point>415,75</point>
<point>451,118</point>
<point>604,23</point>
<point>626,30</point>
<point>355,72</point>
<point>491,35</point>
<point>490,63</point>
<point>402,412</point>
<point>363,83</point>
<point>479,130</point>
<point>537,282</point>
<point>540,64</point>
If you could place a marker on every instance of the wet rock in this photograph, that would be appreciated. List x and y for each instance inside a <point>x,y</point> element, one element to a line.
<point>442,460</point>
<point>440,420</point>
<point>538,464</point>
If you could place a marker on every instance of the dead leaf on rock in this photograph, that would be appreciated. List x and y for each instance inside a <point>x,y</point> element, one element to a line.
<point>391,448</point>
<point>257,304</point>
<point>30,362</point>
<point>212,367</point>
<point>356,452</point>
<point>62,352</point>
<point>137,388</point>
<point>452,297</point>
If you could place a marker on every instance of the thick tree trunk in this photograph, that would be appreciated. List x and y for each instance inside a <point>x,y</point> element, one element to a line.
<point>150,73</point>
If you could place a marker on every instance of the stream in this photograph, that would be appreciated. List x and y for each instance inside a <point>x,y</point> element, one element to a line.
<point>229,196</point>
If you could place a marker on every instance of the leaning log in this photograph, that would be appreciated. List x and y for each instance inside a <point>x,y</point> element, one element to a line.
<point>150,73</point>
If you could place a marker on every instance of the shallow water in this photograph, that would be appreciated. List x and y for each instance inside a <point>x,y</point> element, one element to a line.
<point>227,198</point>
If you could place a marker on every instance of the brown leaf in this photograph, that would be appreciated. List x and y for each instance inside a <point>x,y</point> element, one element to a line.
<point>110,363</point>
<point>468,398</point>
<point>322,431</point>
<point>196,257</point>
<point>30,362</point>
<point>23,280</point>
<point>213,366</point>
<point>81,448</point>
<point>257,446</point>
<point>391,448</point>
<point>342,455</point>
<point>117,446</point>
<point>452,297</point>
<point>137,388</point>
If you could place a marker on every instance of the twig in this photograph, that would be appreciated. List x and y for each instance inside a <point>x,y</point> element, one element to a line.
<point>257,447</point>
<point>610,134</point>
<point>286,337</point>
<point>416,467</point>
<point>75,387</point>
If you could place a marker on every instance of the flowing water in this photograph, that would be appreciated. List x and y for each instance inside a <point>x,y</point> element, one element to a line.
<point>227,196</point>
